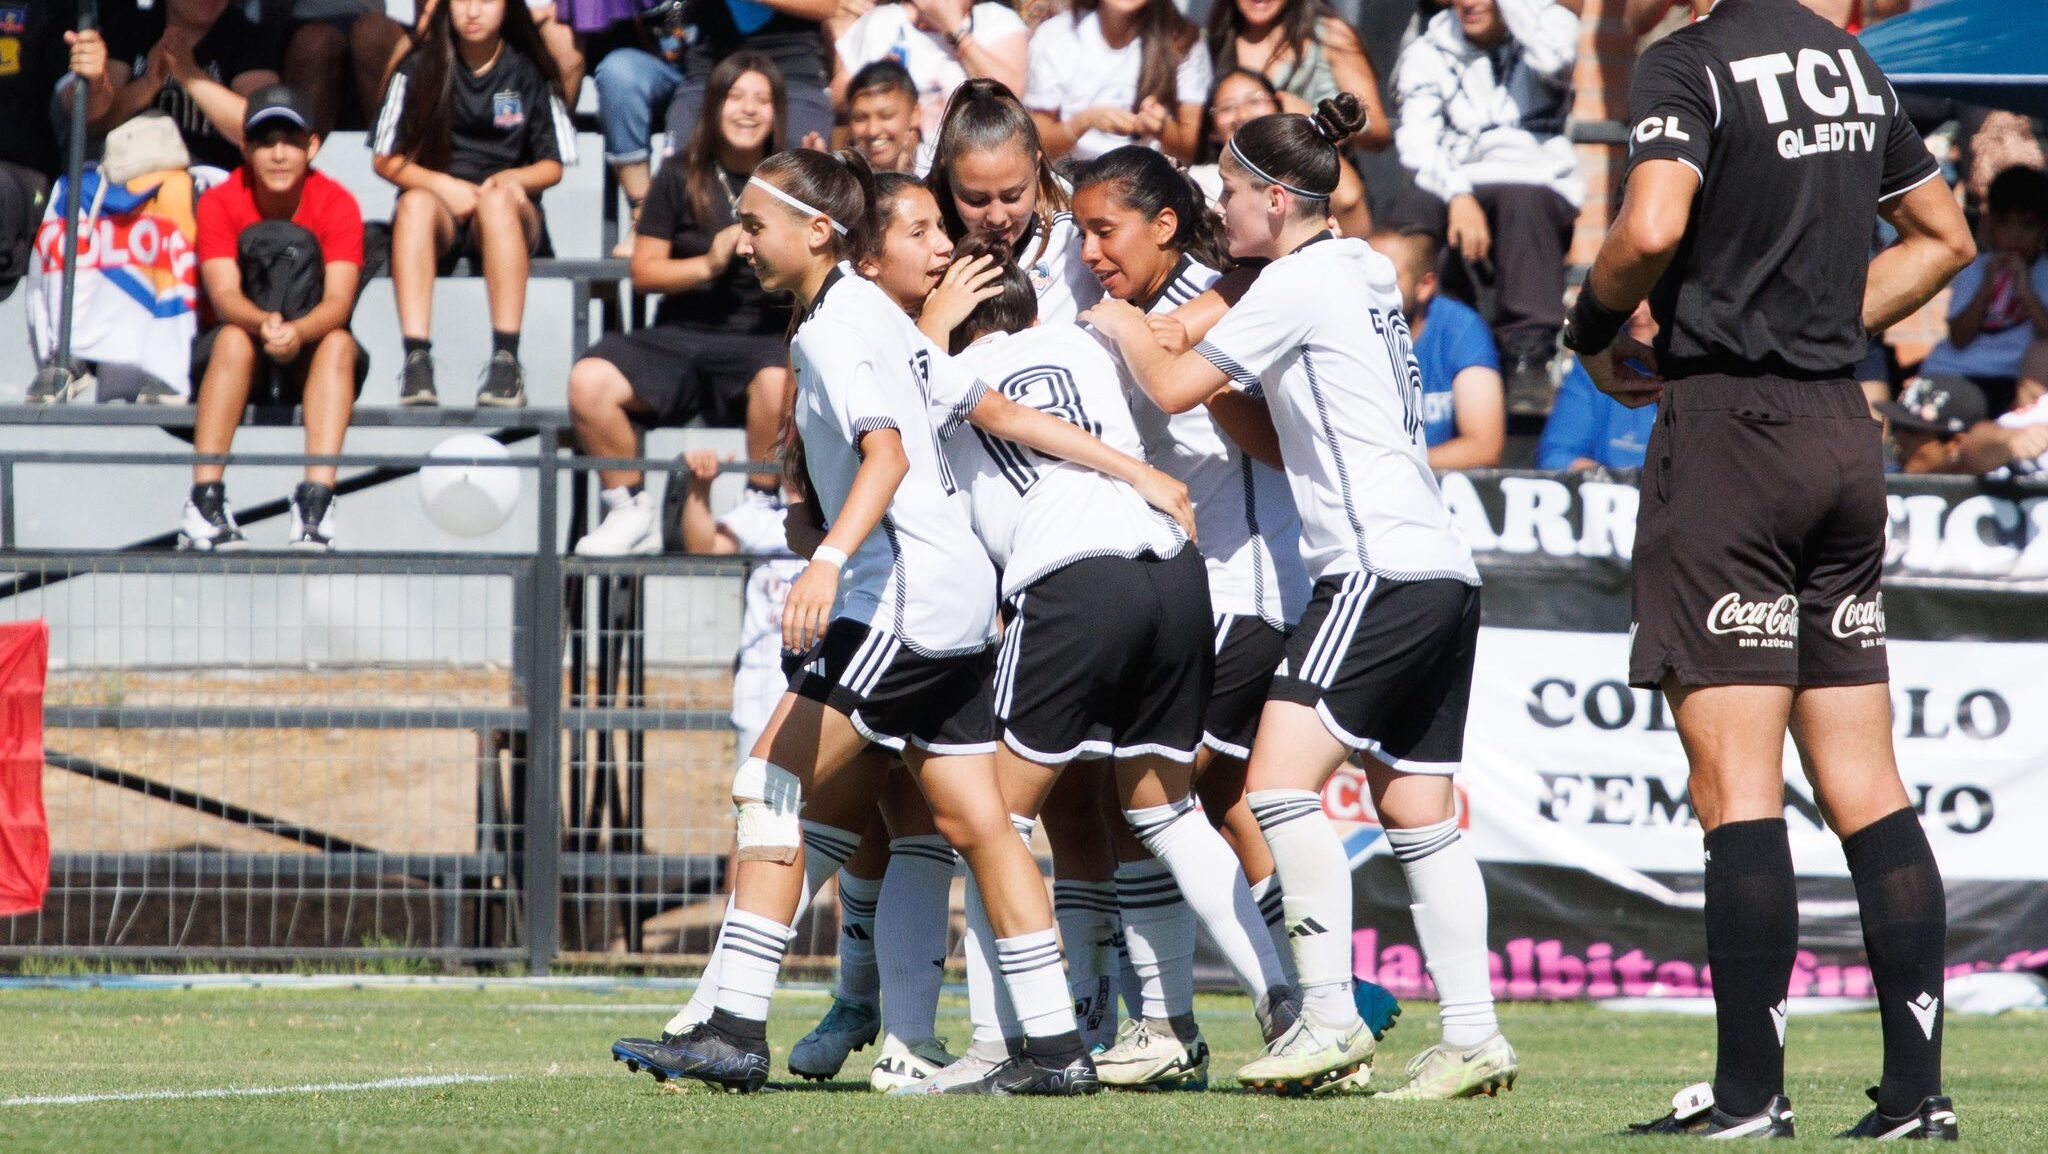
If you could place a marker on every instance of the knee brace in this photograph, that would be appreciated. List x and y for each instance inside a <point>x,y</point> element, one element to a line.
<point>767,800</point>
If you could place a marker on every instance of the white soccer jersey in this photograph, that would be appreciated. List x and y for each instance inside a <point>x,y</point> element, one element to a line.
<point>1244,515</point>
<point>1036,513</point>
<point>1063,282</point>
<point>862,366</point>
<point>1321,335</point>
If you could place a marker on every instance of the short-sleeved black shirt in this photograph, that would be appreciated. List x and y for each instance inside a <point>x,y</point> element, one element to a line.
<point>1797,138</point>
<point>719,28</point>
<point>33,58</point>
<point>735,302</point>
<point>233,47</point>
<point>507,118</point>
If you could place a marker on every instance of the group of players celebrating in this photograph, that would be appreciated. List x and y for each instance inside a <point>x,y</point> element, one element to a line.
<point>1197,500</point>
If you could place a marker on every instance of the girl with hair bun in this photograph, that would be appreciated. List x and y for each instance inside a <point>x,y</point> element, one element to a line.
<point>1381,663</point>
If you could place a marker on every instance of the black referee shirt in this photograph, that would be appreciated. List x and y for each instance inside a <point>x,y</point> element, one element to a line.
<point>1797,138</point>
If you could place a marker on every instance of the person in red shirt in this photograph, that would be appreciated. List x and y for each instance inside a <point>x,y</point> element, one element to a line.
<point>280,256</point>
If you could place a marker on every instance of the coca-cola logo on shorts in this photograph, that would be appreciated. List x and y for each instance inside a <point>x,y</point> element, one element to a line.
<point>1731,614</point>
<point>1855,618</point>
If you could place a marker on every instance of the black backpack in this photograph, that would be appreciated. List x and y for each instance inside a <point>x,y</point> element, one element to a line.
<point>22,192</point>
<point>282,271</point>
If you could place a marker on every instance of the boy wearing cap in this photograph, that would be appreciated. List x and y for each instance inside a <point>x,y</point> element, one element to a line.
<point>280,255</point>
<point>1928,422</point>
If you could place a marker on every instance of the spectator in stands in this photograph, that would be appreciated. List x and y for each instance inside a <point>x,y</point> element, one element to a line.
<point>940,44</point>
<point>635,84</point>
<point>473,130</point>
<point>1588,429</point>
<point>381,39</point>
<point>882,119</point>
<point>1483,96</point>
<point>1850,15</point>
<point>2033,383</point>
<point>719,347</point>
<point>2013,445</point>
<point>1463,419</point>
<point>156,55</point>
<point>34,93</point>
<point>1240,97</point>
<point>1928,421</point>
<point>1996,310</point>
<point>1306,50</point>
<point>340,46</point>
<point>788,32</point>
<point>294,238</point>
<point>1115,72</point>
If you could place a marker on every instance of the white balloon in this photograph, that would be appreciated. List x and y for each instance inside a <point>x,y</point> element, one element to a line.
<point>469,500</point>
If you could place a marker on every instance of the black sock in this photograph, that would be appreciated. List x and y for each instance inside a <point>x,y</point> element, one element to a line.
<point>504,342</point>
<point>1905,933</point>
<point>734,1026</point>
<point>771,488</point>
<point>416,345</point>
<point>1752,935</point>
<point>199,491</point>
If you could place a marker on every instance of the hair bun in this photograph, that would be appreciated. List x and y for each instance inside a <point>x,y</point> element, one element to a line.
<point>988,244</point>
<point>1340,117</point>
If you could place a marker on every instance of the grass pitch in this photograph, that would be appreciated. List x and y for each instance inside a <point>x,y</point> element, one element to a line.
<point>527,1069</point>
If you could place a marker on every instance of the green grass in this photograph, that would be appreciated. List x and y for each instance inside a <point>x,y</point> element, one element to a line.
<point>1584,1074</point>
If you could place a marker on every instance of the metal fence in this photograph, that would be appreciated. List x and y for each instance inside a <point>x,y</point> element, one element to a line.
<point>470,757</point>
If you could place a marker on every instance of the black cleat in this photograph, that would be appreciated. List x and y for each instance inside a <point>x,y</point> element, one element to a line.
<point>1935,1121</point>
<point>736,1065</point>
<point>1068,1074</point>
<point>1694,1114</point>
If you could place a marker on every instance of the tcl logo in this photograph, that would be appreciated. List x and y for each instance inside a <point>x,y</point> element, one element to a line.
<point>1660,128</point>
<point>1819,82</point>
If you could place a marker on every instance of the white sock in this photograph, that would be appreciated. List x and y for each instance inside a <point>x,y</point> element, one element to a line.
<point>1031,971</point>
<point>616,498</point>
<point>705,997</point>
<point>1214,886</point>
<point>911,924</point>
<point>1129,986</point>
<point>859,978</point>
<point>1315,884</point>
<point>1450,921</point>
<point>1159,928</point>
<point>752,947</point>
<point>989,1007</point>
<point>1267,894</point>
<point>1086,913</point>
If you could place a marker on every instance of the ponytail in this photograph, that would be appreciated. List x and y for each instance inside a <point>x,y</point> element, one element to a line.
<point>838,186</point>
<point>1299,153</point>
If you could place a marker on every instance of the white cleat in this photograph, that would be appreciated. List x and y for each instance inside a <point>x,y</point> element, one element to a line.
<point>900,1066</point>
<point>1441,1073</point>
<point>1149,1056</point>
<point>630,529</point>
<point>968,1074</point>
<point>1309,1058</point>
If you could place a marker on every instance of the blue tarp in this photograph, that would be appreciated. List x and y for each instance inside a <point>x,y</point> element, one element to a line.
<point>1988,52</point>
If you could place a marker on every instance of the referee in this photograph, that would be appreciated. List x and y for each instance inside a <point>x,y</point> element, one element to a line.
<point>1765,143</point>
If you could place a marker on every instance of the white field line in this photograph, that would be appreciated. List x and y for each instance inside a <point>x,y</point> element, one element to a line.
<point>416,1082</point>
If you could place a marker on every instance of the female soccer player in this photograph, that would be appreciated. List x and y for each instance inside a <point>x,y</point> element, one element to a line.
<point>1382,661</point>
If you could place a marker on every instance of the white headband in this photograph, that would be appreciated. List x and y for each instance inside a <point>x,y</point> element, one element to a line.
<point>796,204</point>
<point>1255,170</point>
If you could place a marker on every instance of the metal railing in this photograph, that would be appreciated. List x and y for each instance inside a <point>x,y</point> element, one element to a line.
<point>313,757</point>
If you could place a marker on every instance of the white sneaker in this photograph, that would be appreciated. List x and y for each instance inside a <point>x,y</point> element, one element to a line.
<point>628,529</point>
<point>903,1065</point>
<point>208,525</point>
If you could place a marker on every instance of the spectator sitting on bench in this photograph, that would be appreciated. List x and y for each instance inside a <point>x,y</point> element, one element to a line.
<point>280,256</point>
<point>882,117</point>
<point>1998,305</point>
<point>718,348</point>
<point>196,60</point>
<point>473,130</point>
<point>1587,429</point>
<point>1464,417</point>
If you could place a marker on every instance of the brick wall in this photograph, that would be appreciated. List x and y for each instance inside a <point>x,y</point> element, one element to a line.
<point>1606,51</point>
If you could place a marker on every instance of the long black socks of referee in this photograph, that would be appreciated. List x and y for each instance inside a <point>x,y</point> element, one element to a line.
<point>1905,930</point>
<point>1752,934</point>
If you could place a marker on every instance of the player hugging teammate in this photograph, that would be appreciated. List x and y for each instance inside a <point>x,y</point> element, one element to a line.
<point>1147,475</point>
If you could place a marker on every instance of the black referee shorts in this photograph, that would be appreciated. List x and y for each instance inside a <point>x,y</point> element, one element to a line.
<point>1108,656</point>
<point>1247,652</point>
<point>1387,665</point>
<point>1760,537</point>
<point>681,374</point>
<point>895,697</point>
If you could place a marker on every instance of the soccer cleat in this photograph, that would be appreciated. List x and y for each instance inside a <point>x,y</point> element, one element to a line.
<point>313,517</point>
<point>1309,1057</point>
<point>1377,1005</point>
<point>629,529</point>
<point>967,1074</point>
<point>1150,1056</point>
<point>209,523</point>
<point>1934,1121</point>
<point>1694,1114</point>
<point>703,1053</point>
<point>1441,1072</point>
<point>901,1066</point>
<point>504,384</point>
<point>846,1027</point>
<point>416,380</point>
<point>1062,1075</point>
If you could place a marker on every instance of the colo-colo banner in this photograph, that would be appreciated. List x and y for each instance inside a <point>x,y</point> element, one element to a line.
<point>1574,788</point>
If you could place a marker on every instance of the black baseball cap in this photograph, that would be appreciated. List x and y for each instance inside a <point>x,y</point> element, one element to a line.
<point>1940,406</point>
<point>277,102</point>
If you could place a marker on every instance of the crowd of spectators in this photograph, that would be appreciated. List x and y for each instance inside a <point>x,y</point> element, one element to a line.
<point>466,106</point>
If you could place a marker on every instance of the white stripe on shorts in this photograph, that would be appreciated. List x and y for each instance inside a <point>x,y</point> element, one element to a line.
<point>869,662</point>
<point>1333,638</point>
<point>1006,659</point>
<point>1223,623</point>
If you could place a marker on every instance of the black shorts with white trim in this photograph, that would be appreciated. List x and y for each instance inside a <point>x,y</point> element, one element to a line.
<point>895,697</point>
<point>1248,649</point>
<point>1387,665</point>
<point>1108,656</point>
